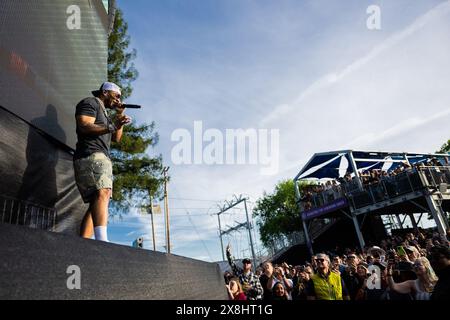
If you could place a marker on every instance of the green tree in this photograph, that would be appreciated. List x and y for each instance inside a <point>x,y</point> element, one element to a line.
<point>445,147</point>
<point>121,69</point>
<point>137,176</point>
<point>277,213</point>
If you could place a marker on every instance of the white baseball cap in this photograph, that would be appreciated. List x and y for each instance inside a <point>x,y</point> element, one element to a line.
<point>108,86</point>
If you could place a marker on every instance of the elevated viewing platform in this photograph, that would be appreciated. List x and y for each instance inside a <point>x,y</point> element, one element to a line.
<point>355,184</point>
<point>405,192</point>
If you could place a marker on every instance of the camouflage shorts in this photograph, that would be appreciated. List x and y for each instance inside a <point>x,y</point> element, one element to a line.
<point>93,173</point>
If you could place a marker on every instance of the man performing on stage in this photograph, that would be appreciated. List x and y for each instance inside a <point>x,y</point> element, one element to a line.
<point>92,163</point>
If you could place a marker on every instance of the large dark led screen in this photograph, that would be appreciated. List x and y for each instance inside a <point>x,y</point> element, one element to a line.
<point>52,54</point>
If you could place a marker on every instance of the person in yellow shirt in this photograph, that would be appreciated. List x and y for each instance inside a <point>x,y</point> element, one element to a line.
<point>325,284</point>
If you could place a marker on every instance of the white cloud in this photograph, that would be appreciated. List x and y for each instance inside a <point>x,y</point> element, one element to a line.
<point>129,234</point>
<point>330,79</point>
<point>403,127</point>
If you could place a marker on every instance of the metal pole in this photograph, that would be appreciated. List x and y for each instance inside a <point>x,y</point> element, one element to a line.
<point>358,232</point>
<point>308,240</point>
<point>305,228</point>
<point>406,158</point>
<point>250,235</point>
<point>399,221</point>
<point>153,225</point>
<point>220,234</point>
<point>413,221</point>
<point>371,195</point>
<point>436,212</point>
<point>409,181</point>
<point>166,210</point>
<point>223,210</point>
<point>355,170</point>
<point>297,191</point>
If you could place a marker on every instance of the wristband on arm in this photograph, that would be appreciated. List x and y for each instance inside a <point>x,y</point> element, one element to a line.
<point>112,128</point>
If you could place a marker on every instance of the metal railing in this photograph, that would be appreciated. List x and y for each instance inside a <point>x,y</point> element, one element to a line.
<point>350,186</point>
<point>388,187</point>
<point>408,181</point>
<point>435,176</point>
<point>19,212</point>
<point>319,226</point>
<point>287,241</point>
<point>322,198</point>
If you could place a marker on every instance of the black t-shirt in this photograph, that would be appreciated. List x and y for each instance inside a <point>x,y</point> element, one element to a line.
<point>267,295</point>
<point>88,144</point>
<point>442,288</point>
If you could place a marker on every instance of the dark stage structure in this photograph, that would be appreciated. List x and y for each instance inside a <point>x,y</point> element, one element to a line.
<point>52,54</point>
<point>38,264</point>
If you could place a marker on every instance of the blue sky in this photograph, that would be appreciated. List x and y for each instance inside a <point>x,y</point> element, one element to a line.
<point>310,69</point>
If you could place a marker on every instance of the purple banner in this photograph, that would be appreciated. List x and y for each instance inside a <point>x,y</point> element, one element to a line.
<point>332,206</point>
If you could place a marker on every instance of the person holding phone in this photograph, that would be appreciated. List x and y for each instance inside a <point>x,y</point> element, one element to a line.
<point>234,290</point>
<point>401,251</point>
<point>422,287</point>
<point>279,276</point>
<point>362,274</point>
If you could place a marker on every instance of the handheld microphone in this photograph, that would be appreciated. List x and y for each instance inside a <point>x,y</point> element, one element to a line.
<point>131,106</point>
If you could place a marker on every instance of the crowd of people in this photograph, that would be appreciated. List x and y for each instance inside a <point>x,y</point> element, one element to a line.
<point>413,267</point>
<point>316,195</point>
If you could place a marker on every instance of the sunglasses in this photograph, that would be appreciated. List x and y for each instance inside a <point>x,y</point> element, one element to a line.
<point>320,260</point>
<point>116,95</point>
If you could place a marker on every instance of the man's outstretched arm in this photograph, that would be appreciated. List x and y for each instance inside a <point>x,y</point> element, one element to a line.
<point>236,270</point>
